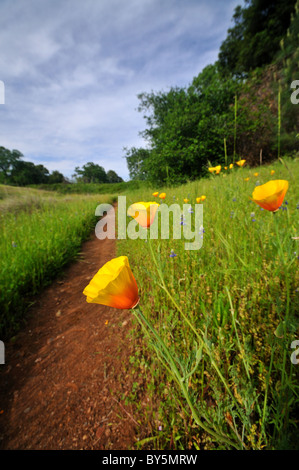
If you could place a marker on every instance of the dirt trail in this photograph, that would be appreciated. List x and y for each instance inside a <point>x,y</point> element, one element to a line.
<point>64,379</point>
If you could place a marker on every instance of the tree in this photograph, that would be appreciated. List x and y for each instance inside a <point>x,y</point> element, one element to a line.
<point>91,173</point>
<point>25,173</point>
<point>112,177</point>
<point>56,177</point>
<point>136,162</point>
<point>8,160</point>
<point>254,40</point>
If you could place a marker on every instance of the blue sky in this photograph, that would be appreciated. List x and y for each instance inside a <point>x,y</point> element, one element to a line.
<point>72,71</point>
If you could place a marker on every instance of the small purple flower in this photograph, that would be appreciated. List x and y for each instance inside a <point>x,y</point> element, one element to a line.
<point>234,199</point>
<point>172,254</point>
<point>13,244</point>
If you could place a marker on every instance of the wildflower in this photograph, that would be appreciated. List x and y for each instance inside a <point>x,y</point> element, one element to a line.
<point>13,244</point>
<point>203,198</point>
<point>270,195</point>
<point>225,167</point>
<point>198,199</point>
<point>143,212</point>
<point>234,199</point>
<point>201,231</point>
<point>272,172</point>
<point>231,166</point>
<point>241,162</point>
<point>186,200</point>
<point>217,169</point>
<point>172,254</point>
<point>162,195</point>
<point>256,174</point>
<point>155,194</point>
<point>211,169</point>
<point>113,285</point>
<point>246,179</point>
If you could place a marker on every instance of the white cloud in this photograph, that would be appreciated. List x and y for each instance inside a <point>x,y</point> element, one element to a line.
<point>72,71</point>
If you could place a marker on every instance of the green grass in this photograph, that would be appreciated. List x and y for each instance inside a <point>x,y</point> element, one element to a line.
<point>214,326</point>
<point>218,323</point>
<point>92,188</point>
<point>39,235</point>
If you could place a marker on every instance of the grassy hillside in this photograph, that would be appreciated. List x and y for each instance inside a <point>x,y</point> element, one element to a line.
<point>40,233</point>
<point>219,373</point>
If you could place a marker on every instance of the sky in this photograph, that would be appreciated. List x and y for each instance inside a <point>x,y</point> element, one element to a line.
<point>72,69</point>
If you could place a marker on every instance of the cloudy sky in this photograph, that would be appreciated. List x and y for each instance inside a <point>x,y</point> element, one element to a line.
<point>72,71</point>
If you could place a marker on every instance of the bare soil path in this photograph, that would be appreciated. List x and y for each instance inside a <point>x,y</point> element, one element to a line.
<point>65,377</point>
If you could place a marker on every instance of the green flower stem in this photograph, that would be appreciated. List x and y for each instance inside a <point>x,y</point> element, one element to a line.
<point>203,344</point>
<point>235,327</point>
<point>287,311</point>
<point>179,379</point>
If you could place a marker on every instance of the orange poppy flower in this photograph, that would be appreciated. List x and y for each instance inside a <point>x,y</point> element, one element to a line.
<point>186,200</point>
<point>203,198</point>
<point>231,166</point>
<point>270,195</point>
<point>162,195</point>
<point>113,285</point>
<point>155,194</point>
<point>143,212</point>
<point>217,169</point>
<point>241,162</point>
<point>198,199</point>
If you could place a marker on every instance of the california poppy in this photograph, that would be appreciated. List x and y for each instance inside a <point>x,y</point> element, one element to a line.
<point>162,195</point>
<point>270,195</point>
<point>143,212</point>
<point>203,198</point>
<point>186,200</point>
<point>198,199</point>
<point>113,285</point>
<point>217,169</point>
<point>240,162</point>
<point>155,194</point>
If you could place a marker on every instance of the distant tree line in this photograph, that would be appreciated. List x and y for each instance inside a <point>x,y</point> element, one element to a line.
<point>15,171</point>
<point>94,173</point>
<point>231,107</point>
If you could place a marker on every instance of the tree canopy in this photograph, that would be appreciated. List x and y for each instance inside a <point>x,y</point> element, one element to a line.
<point>230,107</point>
